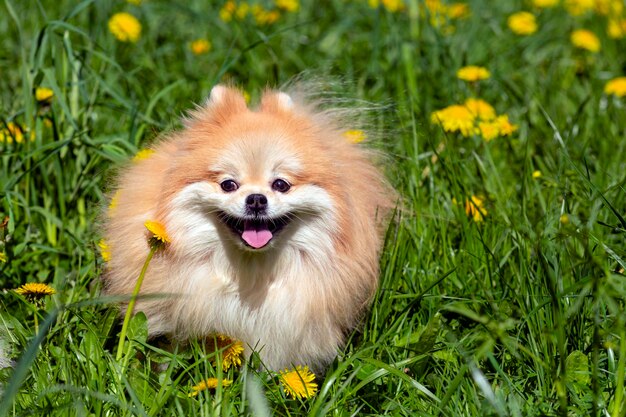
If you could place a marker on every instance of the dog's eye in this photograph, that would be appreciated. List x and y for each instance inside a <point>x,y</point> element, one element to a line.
<point>229,186</point>
<point>281,186</point>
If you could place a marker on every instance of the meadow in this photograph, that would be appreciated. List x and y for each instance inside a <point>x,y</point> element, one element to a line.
<point>503,281</point>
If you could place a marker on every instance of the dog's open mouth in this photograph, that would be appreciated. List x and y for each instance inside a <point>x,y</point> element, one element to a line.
<point>256,232</point>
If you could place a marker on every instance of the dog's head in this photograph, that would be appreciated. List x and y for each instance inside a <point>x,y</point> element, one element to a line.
<point>252,179</point>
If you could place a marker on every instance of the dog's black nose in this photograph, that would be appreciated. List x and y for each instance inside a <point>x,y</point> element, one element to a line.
<point>256,203</point>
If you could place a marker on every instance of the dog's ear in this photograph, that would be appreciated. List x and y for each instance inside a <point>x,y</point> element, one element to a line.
<point>222,103</point>
<point>277,102</point>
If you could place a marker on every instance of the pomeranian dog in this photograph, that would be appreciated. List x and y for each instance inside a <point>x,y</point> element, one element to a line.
<point>275,221</point>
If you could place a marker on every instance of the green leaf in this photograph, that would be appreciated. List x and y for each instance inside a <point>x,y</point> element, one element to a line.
<point>423,340</point>
<point>577,368</point>
<point>138,328</point>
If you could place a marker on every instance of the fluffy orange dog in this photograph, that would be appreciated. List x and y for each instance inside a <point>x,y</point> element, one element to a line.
<point>275,226</point>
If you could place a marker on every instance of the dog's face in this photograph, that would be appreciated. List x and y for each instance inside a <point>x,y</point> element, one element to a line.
<point>258,195</point>
<point>260,189</point>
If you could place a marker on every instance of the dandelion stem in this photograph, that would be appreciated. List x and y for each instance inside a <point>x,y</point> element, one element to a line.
<point>131,303</point>
<point>36,321</point>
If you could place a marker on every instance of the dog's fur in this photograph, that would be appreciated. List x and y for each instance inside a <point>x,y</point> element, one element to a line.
<point>292,299</point>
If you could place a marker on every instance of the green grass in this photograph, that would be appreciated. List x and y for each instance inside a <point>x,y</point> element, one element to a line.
<point>521,314</point>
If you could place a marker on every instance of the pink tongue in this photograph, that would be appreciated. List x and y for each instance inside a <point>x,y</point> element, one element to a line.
<point>256,236</point>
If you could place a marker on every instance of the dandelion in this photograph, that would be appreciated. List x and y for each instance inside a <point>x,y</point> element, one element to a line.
<point>475,208</point>
<point>142,155</point>
<point>3,257</point>
<point>11,133</point>
<point>125,27</point>
<point>288,5</point>
<point>522,23</point>
<point>579,7</point>
<point>536,174</point>
<point>299,382</point>
<point>564,219</point>
<point>200,46</point>
<point>616,28</point>
<point>43,94</point>
<point>157,240</point>
<point>105,250</point>
<point>616,87</point>
<point>488,130</point>
<point>210,383</point>
<point>480,108</point>
<point>114,201</point>
<point>505,127</point>
<point>545,3</point>
<point>232,350</point>
<point>455,118</point>
<point>393,5</point>
<point>159,235</point>
<point>242,10</point>
<point>135,2</point>
<point>227,11</point>
<point>585,39</point>
<point>35,291</point>
<point>473,73</point>
<point>265,17</point>
<point>354,136</point>
<point>458,11</point>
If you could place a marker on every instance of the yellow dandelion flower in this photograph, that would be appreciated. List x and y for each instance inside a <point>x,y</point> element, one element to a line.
<point>522,23</point>
<point>12,132</point>
<point>142,155</point>
<point>105,250</point>
<point>579,7</point>
<point>564,219</point>
<point>545,3</point>
<point>242,10</point>
<point>125,27</point>
<point>536,174</point>
<point>227,11</point>
<point>585,39</point>
<point>434,6</point>
<point>455,118</point>
<point>616,87</point>
<point>616,28</point>
<point>473,73</point>
<point>114,201</point>
<point>299,382</point>
<point>505,127</point>
<point>355,136</point>
<point>210,383</point>
<point>232,350</point>
<point>288,5</point>
<point>266,17</point>
<point>35,290</point>
<point>200,46</point>
<point>480,108</point>
<point>135,2</point>
<point>393,5</point>
<point>43,94</point>
<point>488,130</point>
<point>373,3</point>
<point>3,257</point>
<point>475,208</point>
<point>458,11</point>
<point>158,232</point>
